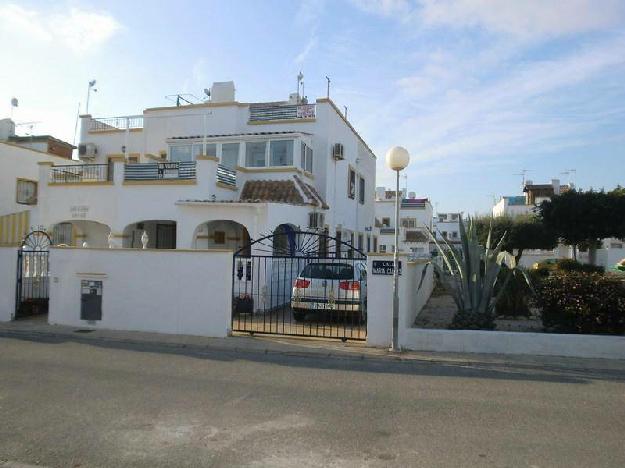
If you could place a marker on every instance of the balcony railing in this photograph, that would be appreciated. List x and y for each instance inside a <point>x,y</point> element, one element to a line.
<point>81,173</point>
<point>116,123</point>
<point>263,112</point>
<point>226,176</point>
<point>160,171</point>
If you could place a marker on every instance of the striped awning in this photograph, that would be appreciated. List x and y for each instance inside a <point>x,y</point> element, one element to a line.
<point>14,227</point>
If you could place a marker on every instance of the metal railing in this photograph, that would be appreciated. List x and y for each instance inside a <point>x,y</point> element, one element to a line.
<point>116,123</point>
<point>226,176</point>
<point>260,112</point>
<point>81,173</point>
<point>160,170</point>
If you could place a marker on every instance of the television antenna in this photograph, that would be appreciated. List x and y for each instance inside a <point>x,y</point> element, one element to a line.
<point>571,173</point>
<point>89,88</point>
<point>30,126</point>
<point>179,98</point>
<point>523,174</point>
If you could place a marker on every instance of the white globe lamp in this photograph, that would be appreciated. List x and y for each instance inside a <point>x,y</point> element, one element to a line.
<point>397,159</point>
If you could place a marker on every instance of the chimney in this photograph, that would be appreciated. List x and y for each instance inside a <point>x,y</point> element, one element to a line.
<point>556,186</point>
<point>7,129</point>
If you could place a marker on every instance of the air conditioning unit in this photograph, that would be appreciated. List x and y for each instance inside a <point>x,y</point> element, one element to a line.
<point>87,150</point>
<point>337,152</point>
<point>316,220</point>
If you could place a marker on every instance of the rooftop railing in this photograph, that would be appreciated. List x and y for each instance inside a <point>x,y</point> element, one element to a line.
<point>264,112</point>
<point>160,170</point>
<point>116,123</point>
<point>81,173</point>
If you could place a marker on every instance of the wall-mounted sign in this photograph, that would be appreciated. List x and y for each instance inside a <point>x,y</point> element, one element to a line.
<point>384,267</point>
<point>79,211</point>
<point>306,111</point>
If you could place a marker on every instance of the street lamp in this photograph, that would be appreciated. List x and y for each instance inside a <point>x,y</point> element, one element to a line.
<point>397,159</point>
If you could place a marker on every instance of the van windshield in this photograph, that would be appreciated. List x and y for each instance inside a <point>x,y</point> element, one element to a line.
<point>331,271</point>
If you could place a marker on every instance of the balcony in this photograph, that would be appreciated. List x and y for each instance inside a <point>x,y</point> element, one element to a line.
<point>160,171</point>
<point>116,124</point>
<point>81,174</point>
<point>264,113</point>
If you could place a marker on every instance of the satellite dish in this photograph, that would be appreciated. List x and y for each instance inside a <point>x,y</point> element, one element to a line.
<point>14,102</point>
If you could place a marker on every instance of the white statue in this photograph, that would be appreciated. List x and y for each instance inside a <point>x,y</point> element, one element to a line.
<point>144,239</point>
<point>85,245</point>
<point>111,241</point>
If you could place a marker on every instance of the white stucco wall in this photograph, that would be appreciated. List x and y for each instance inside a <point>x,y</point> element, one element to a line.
<point>8,266</point>
<point>165,291</point>
<point>17,162</point>
<point>330,178</point>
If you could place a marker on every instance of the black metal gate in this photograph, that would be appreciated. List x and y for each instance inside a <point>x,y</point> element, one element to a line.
<point>32,285</point>
<point>300,284</point>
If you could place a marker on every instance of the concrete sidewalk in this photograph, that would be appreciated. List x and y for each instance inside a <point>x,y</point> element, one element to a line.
<point>40,330</point>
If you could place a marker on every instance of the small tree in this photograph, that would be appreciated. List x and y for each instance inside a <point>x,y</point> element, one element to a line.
<point>523,232</point>
<point>585,218</point>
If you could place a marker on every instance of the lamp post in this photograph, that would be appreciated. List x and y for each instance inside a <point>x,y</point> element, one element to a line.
<point>91,86</point>
<point>397,159</point>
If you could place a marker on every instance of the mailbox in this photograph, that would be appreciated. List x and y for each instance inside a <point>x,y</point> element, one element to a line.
<point>90,300</point>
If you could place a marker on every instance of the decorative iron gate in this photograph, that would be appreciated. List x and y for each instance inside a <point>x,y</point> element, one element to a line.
<point>300,284</point>
<point>32,285</point>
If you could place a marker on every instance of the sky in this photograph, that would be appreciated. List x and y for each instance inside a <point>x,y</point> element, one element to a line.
<point>476,90</point>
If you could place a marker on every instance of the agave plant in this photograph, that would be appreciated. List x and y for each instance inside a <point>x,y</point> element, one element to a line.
<point>471,276</point>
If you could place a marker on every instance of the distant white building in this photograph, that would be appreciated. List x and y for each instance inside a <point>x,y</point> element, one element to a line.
<point>415,217</point>
<point>447,226</point>
<point>212,174</point>
<point>535,194</point>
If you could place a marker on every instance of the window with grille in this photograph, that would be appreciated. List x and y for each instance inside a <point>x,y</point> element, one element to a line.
<point>26,193</point>
<point>351,184</point>
<point>409,222</point>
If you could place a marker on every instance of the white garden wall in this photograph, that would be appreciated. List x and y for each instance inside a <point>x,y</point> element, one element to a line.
<point>166,291</point>
<point>8,267</point>
<point>412,300</point>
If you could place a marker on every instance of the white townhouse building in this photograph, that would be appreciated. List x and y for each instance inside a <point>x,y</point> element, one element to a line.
<point>213,174</point>
<point>415,217</point>
<point>19,178</point>
<point>447,226</point>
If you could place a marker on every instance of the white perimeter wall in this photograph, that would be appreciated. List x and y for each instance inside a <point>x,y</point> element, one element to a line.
<point>165,291</point>
<point>412,300</point>
<point>8,267</point>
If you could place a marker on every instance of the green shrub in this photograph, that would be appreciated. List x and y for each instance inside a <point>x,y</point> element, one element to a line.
<point>579,302</point>
<point>514,300</point>
<point>573,265</point>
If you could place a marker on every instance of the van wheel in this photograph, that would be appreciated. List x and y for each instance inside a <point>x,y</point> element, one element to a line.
<point>299,316</point>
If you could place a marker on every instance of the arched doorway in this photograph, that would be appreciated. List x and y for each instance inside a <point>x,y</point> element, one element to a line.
<point>161,234</point>
<point>79,233</point>
<point>221,234</point>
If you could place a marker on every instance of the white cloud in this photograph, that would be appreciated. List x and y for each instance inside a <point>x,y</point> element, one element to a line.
<point>522,18</point>
<point>310,45</point>
<point>76,29</point>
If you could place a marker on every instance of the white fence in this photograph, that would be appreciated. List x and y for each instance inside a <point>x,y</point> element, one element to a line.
<point>8,268</point>
<point>166,291</point>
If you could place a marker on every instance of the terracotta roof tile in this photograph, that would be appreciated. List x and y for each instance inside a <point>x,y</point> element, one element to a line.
<point>277,191</point>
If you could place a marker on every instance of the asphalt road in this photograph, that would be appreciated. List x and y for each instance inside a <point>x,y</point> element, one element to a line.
<point>73,404</point>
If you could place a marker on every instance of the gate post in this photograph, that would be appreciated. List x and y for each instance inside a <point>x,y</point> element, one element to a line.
<point>8,283</point>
